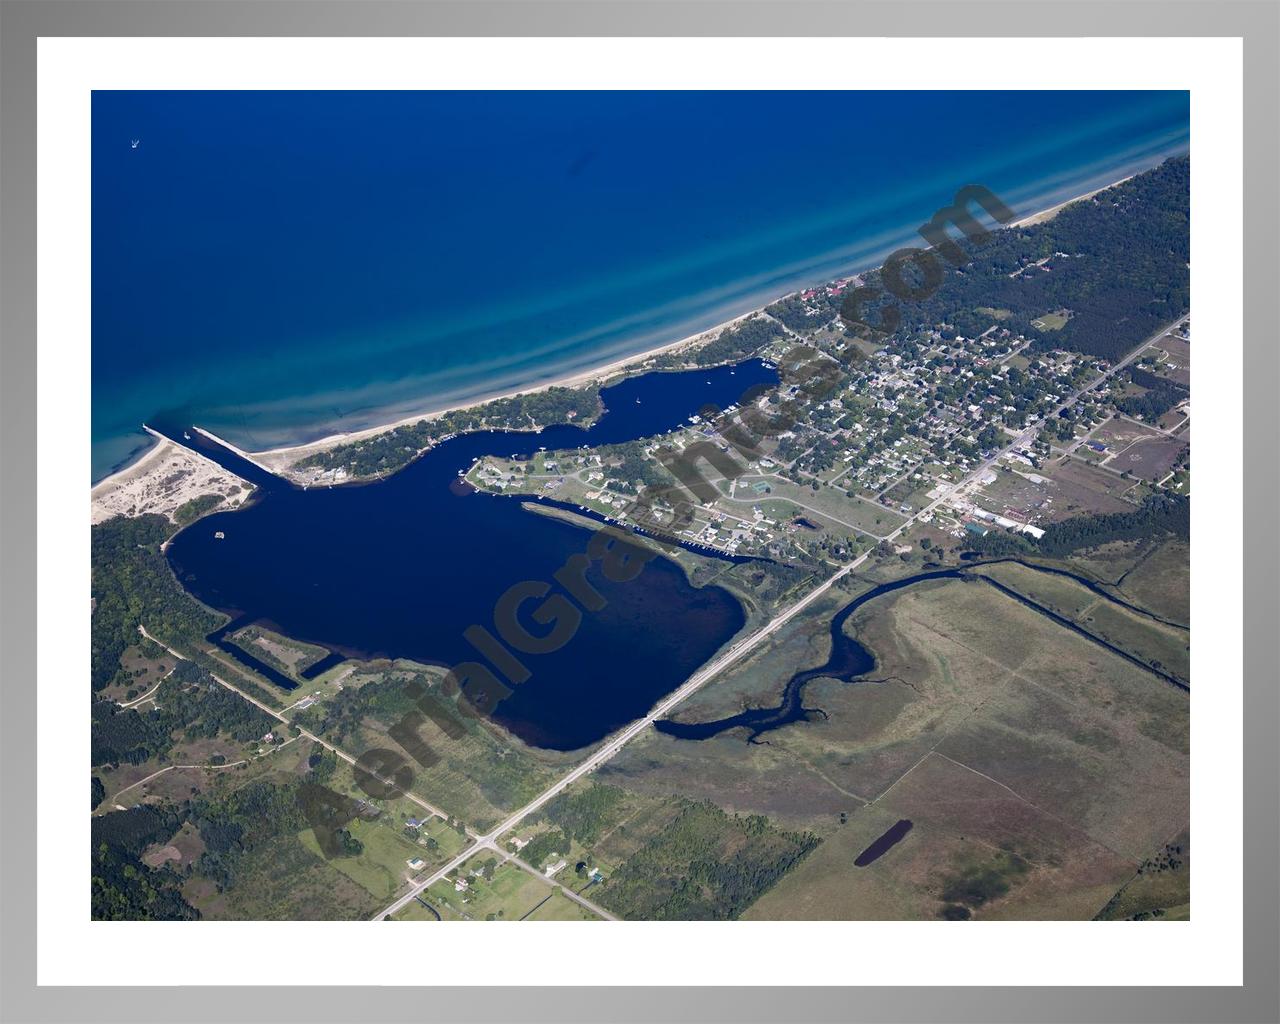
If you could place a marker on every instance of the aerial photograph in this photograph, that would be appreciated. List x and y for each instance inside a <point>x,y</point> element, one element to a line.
<point>640,505</point>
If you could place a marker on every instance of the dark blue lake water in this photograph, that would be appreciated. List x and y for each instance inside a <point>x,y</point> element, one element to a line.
<point>401,567</point>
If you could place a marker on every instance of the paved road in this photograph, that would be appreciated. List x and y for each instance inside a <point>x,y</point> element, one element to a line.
<point>734,653</point>
<point>577,898</point>
<point>742,647</point>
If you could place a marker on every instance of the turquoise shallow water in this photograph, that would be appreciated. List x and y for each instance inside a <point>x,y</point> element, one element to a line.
<point>280,266</point>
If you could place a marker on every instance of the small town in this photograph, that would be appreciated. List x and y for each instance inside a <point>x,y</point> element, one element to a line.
<point>905,424</point>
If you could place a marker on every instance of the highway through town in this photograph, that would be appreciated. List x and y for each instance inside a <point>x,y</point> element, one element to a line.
<point>741,648</point>
<point>733,654</point>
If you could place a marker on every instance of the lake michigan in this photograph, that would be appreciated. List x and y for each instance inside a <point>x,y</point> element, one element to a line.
<point>281,266</point>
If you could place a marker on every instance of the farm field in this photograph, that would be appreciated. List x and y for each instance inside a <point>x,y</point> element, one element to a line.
<point>1150,457</point>
<point>1154,642</point>
<point>1161,890</point>
<point>1082,488</point>
<point>985,713</point>
<point>1162,581</point>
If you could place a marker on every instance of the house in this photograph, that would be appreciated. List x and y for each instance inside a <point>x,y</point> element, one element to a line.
<point>413,823</point>
<point>416,863</point>
<point>551,869</point>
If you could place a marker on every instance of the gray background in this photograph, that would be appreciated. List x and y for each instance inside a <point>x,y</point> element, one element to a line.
<point>1257,22</point>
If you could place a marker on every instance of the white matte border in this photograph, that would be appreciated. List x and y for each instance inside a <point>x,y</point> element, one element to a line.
<point>1206,950</point>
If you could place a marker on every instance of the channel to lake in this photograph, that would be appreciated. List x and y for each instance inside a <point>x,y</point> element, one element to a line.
<point>401,567</point>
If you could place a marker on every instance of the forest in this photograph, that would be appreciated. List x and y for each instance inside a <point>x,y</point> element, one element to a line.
<point>236,823</point>
<point>736,343</point>
<point>584,814</point>
<point>132,585</point>
<point>122,887</point>
<point>704,866</point>
<point>1161,514</point>
<point>1160,396</point>
<point>1118,262</point>
<point>189,704</point>
<point>540,847</point>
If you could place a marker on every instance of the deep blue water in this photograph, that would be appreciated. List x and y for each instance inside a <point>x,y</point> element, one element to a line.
<point>403,566</point>
<point>279,266</point>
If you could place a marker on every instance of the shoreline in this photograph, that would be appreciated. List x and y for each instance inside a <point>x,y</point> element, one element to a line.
<point>576,379</point>
<point>1052,211</point>
<point>279,459</point>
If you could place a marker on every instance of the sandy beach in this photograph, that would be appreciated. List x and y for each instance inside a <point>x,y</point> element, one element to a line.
<point>1052,211</point>
<point>280,460</point>
<point>162,481</point>
<point>277,459</point>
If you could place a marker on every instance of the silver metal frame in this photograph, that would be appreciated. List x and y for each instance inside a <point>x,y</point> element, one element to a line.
<point>1258,23</point>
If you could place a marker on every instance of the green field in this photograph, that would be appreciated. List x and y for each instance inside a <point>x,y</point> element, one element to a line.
<point>479,776</point>
<point>280,652</point>
<point>141,671</point>
<point>415,911</point>
<point>560,908</point>
<point>1161,890</point>
<point>381,869</point>
<point>508,896</point>
<point>1162,646</point>
<point>1035,765</point>
<point>1051,321</point>
<point>1162,581</point>
<point>436,842</point>
<point>788,499</point>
